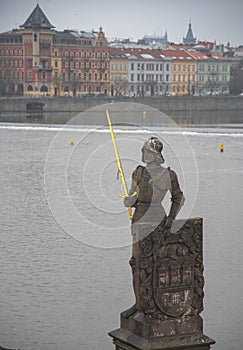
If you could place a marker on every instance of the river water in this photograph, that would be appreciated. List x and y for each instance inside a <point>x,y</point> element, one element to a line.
<point>65,235</point>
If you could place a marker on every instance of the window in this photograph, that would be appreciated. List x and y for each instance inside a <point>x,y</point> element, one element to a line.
<point>132,77</point>
<point>132,66</point>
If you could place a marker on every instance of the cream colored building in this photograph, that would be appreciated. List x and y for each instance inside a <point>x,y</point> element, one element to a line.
<point>118,73</point>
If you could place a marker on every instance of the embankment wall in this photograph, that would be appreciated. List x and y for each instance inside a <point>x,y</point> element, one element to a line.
<point>183,110</point>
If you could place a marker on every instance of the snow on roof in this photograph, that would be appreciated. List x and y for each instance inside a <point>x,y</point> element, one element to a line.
<point>146,55</point>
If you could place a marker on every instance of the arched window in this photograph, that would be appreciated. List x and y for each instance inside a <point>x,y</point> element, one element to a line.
<point>30,88</point>
<point>44,88</point>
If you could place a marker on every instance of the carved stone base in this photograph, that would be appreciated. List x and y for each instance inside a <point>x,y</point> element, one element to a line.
<point>168,285</point>
<point>125,340</point>
<point>143,327</point>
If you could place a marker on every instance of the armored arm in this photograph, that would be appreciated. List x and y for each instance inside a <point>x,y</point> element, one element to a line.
<point>177,198</point>
<point>131,201</point>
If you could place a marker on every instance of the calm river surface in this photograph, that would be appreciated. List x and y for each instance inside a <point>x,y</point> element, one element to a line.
<point>65,235</point>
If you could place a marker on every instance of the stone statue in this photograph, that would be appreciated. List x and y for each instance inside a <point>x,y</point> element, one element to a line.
<point>167,264</point>
<point>150,185</point>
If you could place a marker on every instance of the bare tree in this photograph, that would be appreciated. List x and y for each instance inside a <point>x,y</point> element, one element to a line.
<point>236,78</point>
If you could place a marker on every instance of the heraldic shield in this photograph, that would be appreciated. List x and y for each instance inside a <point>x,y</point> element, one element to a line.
<point>173,284</point>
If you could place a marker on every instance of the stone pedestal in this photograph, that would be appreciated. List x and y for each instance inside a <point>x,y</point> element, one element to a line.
<point>125,340</point>
<point>168,285</point>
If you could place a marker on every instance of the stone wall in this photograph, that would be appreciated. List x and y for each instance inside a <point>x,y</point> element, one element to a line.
<point>183,110</point>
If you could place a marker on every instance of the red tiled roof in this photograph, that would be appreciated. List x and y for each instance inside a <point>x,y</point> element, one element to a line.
<point>192,55</point>
<point>156,54</point>
<point>138,53</point>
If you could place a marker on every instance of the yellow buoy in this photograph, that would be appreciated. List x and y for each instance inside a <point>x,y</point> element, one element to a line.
<point>221,147</point>
<point>71,142</point>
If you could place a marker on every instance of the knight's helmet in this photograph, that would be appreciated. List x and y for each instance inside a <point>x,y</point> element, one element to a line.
<point>153,144</point>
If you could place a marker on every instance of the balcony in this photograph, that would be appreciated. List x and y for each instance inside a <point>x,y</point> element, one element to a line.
<point>45,69</point>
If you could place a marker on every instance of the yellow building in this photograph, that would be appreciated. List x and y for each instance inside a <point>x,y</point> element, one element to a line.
<point>118,72</point>
<point>184,72</point>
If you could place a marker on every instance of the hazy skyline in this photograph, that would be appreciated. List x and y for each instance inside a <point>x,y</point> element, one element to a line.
<point>211,20</point>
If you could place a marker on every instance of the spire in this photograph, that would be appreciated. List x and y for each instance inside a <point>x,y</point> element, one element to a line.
<point>37,19</point>
<point>189,39</point>
<point>166,37</point>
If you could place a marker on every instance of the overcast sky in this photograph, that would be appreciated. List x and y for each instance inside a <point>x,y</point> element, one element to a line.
<point>219,20</point>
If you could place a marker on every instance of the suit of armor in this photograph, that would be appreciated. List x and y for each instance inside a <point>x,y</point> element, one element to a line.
<point>149,187</point>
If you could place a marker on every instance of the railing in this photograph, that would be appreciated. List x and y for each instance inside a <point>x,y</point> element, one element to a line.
<point>45,69</point>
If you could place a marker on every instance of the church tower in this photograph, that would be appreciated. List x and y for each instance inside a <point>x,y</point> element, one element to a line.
<point>189,39</point>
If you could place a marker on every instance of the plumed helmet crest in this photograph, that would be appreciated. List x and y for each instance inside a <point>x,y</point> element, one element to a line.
<point>153,144</point>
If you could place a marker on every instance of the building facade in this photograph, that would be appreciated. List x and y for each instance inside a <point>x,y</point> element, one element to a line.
<point>149,72</point>
<point>199,72</point>
<point>37,60</point>
<point>118,72</point>
<point>184,72</point>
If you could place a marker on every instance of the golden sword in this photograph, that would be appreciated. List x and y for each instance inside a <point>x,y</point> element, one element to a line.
<point>119,165</point>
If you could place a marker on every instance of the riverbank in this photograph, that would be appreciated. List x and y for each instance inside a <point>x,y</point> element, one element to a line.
<point>184,111</point>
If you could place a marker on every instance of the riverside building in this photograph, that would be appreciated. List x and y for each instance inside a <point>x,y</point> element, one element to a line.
<point>38,60</point>
<point>199,72</point>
